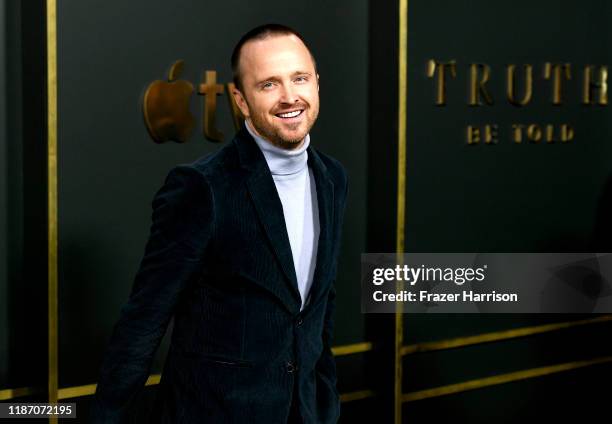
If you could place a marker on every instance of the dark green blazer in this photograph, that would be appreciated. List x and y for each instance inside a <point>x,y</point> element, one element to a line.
<point>219,261</point>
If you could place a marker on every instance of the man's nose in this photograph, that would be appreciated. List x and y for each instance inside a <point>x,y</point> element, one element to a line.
<point>288,94</point>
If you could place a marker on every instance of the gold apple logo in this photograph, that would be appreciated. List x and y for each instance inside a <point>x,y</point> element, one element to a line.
<point>166,107</point>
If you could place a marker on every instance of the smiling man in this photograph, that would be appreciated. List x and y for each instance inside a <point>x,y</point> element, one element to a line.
<point>277,86</point>
<point>243,255</point>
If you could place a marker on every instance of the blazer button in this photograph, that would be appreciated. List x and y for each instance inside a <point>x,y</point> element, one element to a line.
<point>299,322</point>
<point>291,367</point>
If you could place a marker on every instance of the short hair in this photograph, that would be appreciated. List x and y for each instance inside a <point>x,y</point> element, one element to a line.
<point>261,33</point>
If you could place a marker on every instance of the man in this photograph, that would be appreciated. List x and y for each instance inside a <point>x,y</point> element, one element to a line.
<point>243,254</point>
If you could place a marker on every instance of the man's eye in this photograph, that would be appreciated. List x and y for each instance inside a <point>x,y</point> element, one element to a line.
<point>266,85</point>
<point>301,79</point>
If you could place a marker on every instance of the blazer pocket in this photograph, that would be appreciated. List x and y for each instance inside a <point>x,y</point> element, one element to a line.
<point>219,360</point>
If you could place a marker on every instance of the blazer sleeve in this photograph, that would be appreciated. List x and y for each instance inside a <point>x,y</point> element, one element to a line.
<point>182,225</point>
<point>326,365</point>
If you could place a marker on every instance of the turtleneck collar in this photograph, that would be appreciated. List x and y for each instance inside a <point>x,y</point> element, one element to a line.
<point>282,161</point>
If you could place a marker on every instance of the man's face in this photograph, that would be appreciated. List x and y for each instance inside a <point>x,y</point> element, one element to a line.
<point>280,89</point>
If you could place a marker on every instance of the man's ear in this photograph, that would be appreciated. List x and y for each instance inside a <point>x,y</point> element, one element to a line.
<point>240,102</point>
<point>317,82</point>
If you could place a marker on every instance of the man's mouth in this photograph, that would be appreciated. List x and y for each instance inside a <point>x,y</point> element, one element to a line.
<point>288,115</point>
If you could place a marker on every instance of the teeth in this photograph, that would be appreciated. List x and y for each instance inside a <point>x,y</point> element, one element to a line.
<point>290,114</point>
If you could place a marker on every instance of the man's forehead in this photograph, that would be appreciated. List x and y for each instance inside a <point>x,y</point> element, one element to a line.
<point>274,39</point>
<point>274,48</point>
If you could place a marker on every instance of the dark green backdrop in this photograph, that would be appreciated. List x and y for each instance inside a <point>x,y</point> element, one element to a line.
<point>497,198</point>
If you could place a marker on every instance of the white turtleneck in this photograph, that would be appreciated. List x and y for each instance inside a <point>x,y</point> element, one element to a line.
<point>296,188</point>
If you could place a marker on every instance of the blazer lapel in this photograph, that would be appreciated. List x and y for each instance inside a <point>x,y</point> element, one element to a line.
<point>269,209</point>
<point>325,199</point>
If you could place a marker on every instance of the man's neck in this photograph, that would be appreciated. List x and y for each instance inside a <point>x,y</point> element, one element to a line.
<point>282,161</point>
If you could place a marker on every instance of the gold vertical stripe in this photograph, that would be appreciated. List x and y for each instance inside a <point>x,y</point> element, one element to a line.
<point>401,195</point>
<point>52,199</point>
<point>401,127</point>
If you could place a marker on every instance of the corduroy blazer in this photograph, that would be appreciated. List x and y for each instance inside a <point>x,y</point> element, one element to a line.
<point>218,261</point>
